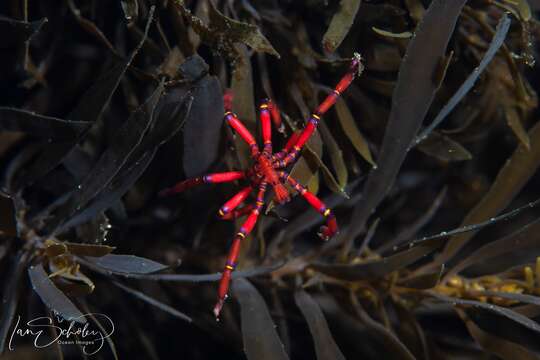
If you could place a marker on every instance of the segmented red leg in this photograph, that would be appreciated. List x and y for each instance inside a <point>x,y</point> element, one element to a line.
<point>355,69</point>
<point>238,213</point>
<point>266,125</point>
<point>331,228</point>
<point>240,128</point>
<point>230,265</point>
<point>288,146</point>
<point>235,201</point>
<point>206,179</point>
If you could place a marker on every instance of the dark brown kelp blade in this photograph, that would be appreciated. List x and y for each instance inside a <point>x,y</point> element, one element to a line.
<point>39,125</point>
<point>52,297</point>
<point>494,46</point>
<point>16,31</point>
<point>493,344</point>
<point>325,346</point>
<point>130,264</point>
<point>89,109</point>
<point>411,99</point>
<point>203,126</point>
<point>504,327</point>
<point>373,269</point>
<point>261,341</point>
<point>127,138</point>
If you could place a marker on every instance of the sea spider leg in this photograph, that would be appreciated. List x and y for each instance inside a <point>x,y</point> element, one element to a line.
<point>355,69</point>
<point>266,125</point>
<point>331,228</point>
<point>238,213</point>
<point>235,201</point>
<point>214,178</point>
<point>278,157</point>
<point>240,128</point>
<point>244,231</point>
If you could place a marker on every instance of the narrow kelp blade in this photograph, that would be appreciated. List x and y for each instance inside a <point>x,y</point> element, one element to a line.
<point>325,346</point>
<point>52,297</point>
<point>15,31</point>
<point>341,23</point>
<point>411,99</point>
<point>42,126</point>
<point>336,156</point>
<point>158,304</point>
<point>527,236</point>
<point>522,298</point>
<point>127,264</point>
<point>444,148</point>
<point>387,337</point>
<point>92,315</point>
<point>348,124</point>
<point>127,138</point>
<point>499,310</point>
<point>89,109</point>
<point>256,271</point>
<point>494,46</point>
<point>373,269</point>
<point>467,229</point>
<point>261,341</point>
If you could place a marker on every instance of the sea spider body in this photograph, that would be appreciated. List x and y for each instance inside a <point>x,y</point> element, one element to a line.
<point>267,171</point>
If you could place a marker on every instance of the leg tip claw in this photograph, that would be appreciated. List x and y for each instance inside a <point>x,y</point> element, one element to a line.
<point>218,307</point>
<point>325,233</point>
